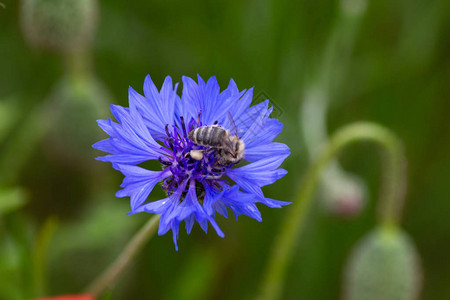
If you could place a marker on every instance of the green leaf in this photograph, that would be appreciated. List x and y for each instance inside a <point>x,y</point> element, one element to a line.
<point>11,280</point>
<point>11,199</point>
<point>9,115</point>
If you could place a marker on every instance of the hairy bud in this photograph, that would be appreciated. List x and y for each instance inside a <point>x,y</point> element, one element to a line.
<point>76,104</point>
<point>61,25</point>
<point>384,265</point>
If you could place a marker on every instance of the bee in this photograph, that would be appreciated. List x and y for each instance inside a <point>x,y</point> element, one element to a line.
<point>229,147</point>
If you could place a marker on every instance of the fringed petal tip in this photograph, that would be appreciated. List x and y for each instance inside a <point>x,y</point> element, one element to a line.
<point>272,203</point>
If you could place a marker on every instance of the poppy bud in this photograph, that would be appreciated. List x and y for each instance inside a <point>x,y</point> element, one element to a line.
<point>343,193</point>
<point>384,265</point>
<point>61,25</point>
<point>75,105</point>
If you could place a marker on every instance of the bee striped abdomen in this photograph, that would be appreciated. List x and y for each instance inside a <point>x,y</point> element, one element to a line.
<point>208,135</point>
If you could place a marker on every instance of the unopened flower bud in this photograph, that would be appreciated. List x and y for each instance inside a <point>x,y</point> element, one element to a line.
<point>344,194</point>
<point>76,103</point>
<point>384,265</point>
<point>61,25</point>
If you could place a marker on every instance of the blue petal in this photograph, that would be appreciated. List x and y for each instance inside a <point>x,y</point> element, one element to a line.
<point>260,173</point>
<point>209,103</point>
<point>165,223</point>
<point>105,125</point>
<point>241,107</point>
<point>125,158</point>
<point>241,203</point>
<point>203,225</point>
<point>246,118</point>
<point>220,207</point>
<point>261,129</point>
<point>189,223</point>
<point>129,142</point>
<point>231,90</point>
<point>211,197</point>
<point>206,97</point>
<point>175,228</point>
<point>151,115</point>
<point>256,152</point>
<point>105,145</point>
<point>138,183</point>
<point>162,206</point>
<point>159,107</point>
<point>272,203</point>
<point>190,205</point>
<point>190,103</point>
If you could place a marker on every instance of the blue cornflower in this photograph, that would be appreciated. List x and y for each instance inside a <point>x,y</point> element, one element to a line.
<point>157,127</point>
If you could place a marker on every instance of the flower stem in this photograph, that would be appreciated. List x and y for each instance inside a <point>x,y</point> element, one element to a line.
<point>109,277</point>
<point>391,196</point>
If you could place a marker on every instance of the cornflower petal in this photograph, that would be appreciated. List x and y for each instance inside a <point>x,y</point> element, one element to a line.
<point>195,175</point>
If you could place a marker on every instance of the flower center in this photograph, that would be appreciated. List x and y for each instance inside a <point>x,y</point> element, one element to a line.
<point>184,166</point>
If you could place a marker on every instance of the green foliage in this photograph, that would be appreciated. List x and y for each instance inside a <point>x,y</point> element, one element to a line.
<point>11,286</point>
<point>11,199</point>
<point>9,115</point>
<point>397,75</point>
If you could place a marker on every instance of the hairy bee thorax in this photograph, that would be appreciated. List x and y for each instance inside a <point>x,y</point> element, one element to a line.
<point>229,148</point>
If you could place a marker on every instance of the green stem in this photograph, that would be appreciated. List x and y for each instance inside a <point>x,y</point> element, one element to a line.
<point>111,274</point>
<point>23,143</point>
<point>390,202</point>
<point>78,65</point>
<point>39,254</point>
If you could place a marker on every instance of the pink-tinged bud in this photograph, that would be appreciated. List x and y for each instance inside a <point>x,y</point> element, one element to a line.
<point>343,194</point>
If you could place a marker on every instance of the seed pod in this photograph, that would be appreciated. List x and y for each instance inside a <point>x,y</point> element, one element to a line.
<point>61,25</point>
<point>383,266</point>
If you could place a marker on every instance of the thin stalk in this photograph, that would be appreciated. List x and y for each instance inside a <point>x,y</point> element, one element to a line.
<point>391,196</point>
<point>109,277</point>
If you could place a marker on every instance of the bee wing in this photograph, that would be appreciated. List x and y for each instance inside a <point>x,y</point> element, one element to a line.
<point>232,124</point>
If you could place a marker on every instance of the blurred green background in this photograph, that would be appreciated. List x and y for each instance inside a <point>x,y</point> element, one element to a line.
<point>62,224</point>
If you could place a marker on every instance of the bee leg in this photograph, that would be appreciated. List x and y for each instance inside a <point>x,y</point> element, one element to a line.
<point>232,153</point>
<point>214,177</point>
<point>195,154</point>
